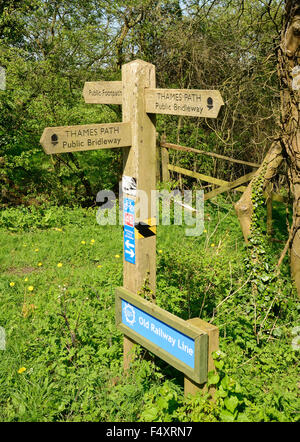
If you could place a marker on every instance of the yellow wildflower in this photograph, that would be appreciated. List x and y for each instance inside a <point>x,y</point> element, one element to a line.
<point>117,256</point>
<point>26,279</point>
<point>160,251</point>
<point>21,370</point>
<point>40,264</point>
<point>59,264</point>
<point>212,245</point>
<point>92,241</point>
<point>36,250</point>
<point>30,288</point>
<point>11,284</point>
<point>82,242</point>
<point>99,266</point>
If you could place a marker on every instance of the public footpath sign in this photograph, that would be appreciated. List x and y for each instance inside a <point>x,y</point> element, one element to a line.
<point>129,235</point>
<point>103,92</point>
<point>174,340</point>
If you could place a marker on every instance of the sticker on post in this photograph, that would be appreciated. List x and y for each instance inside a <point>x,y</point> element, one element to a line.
<point>146,228</point>
<point>129,233</point>
<point>129,185</point>
<point>129,244</point>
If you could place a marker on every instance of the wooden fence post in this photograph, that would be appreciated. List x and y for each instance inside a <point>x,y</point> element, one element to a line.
<point>165,174</point>
<point>158,162</point>
<point>165,164</point>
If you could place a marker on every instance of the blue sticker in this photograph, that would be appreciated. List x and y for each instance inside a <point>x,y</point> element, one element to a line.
<point>128,205</point>
<point>157,332</point>
<point>129,237</point>
<point>129,244</point>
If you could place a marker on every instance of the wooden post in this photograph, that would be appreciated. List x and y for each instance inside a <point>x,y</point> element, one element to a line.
<point>139,98</point>
<point>165,164</point>
<point>191,387</point>
<point>165,174</point>
<point>139,162</point>
<point>158,168</point>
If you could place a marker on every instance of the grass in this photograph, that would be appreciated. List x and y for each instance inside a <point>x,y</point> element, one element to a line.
<point>63,356</point>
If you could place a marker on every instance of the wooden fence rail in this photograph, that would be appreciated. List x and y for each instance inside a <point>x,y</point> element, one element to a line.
<point>224,186</point>
<point>210,154</point>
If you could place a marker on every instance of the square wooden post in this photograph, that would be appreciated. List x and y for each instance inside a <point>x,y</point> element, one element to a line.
<point>165,164</point>
<point>165,174</point>
<point>139,162</point>
<point>191,387</point>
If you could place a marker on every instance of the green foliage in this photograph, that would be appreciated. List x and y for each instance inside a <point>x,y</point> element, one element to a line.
<point>229,393</point>
<point>194,278</point>
<point>271,290</point>
<point>43,217</point>
<point>228,401</point>
<point>50,49</point>
<point>197,408</point>
<point>160,403</point>
<point>59,323</point>
<point>46,66</point>
<point>59,269</point>
<point>60,326</point>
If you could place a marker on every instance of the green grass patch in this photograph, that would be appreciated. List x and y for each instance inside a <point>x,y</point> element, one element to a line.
<point>63,355</point>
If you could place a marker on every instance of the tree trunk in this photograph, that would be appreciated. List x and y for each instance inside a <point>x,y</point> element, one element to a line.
<point>289,70</point>
<point>288,144</point>
<point>268,169</point>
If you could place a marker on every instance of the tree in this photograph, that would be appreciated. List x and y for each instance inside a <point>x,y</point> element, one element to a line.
<point>287,142</point>
<point>49,49</point>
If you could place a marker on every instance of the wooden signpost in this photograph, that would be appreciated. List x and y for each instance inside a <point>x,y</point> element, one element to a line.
<point>191,345</point>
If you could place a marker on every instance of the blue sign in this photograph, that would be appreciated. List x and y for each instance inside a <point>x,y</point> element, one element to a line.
<point>166,337</point>
<point>129,244</point>
<point>129,237</point>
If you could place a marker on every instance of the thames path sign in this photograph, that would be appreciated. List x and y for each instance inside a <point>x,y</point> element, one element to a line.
<point>89,137</point>
<point>186,346</point>
<point>191,103</point>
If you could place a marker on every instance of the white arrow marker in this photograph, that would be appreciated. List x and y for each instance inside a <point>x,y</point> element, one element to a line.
<point>128,244</point>
<point>130,252</point>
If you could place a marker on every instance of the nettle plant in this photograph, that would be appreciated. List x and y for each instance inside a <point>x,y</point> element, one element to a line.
<point>229,395</point>
<point>165,403</point>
